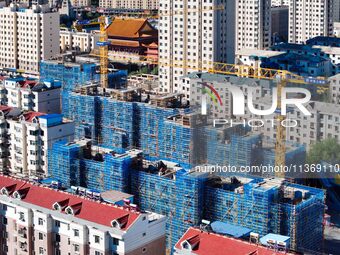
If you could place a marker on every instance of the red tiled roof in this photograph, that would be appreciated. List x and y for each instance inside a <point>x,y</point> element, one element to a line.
<point>214,244</point>
<point>29,116</point>
<point>90,210</point>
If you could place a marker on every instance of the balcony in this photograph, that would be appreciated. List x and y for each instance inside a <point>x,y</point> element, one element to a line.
<point>22,232</point>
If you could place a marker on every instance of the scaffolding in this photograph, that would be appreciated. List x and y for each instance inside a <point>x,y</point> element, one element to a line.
<point>63,164</point>
<point>239,146</point>
<point>81,164</point>
<point>171,191</point>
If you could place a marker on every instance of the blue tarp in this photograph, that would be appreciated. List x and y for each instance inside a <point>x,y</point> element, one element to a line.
<point>229,229</point>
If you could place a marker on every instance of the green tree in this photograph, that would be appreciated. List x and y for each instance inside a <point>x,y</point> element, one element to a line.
<point>327,150</point>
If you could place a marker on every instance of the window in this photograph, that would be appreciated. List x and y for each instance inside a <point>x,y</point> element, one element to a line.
<point>41,250</point>
<point>57,223</point>
<point>41,237</point>
<point>21,216</point>
<point>76,247</point>
<point>96,239</point>
<point>57,238</point>
<point>4,221</point>
<point>76,232</point>
<point>98,253</point>
<point>115,241</point>
<point>40,221</point>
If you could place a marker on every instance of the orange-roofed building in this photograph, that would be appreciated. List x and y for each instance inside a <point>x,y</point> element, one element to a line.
<point>132,38</point>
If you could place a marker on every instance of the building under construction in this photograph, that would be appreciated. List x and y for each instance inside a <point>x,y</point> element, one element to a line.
<point>262,205</point>
<point>76,71</point>
<point>162,126</point>
<point>239,146</point>
<point>187,196</point>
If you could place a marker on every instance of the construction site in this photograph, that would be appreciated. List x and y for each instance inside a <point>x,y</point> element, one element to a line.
<point>240,146</point>
<point>188,196</point>
<point>151,145</point>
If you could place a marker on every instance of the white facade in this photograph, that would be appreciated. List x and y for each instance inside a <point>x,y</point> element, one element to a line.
<point>253,24</point>
<point>129,4</point>
<point>30,95</point>
<point>27,36</point>
<point>310,18</point>
<point>30,135</point>
<point>81,41</point>
<point>192,40</point>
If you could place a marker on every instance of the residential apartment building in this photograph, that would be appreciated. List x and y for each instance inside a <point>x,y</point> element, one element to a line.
<point>279,23</point>
<point>336,10</point>
<point>39,220</point>
<point>324,122</point>
<point>191,40</point>
<point>310,18</point>
<point>334,90</point>
<point>30,95</point>
<point>26,138</point>
<point>28,36</point>
<point>130,4</point>
<point>79,41</point>
<point>253,24</point>
<point>276,3</point>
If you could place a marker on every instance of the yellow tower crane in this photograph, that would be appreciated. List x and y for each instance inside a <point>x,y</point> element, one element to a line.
<point>103,53</point>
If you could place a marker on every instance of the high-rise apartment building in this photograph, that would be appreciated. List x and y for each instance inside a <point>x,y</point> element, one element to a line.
<point>40,220</point>
<point>129,4</point>
<point>192,35</point>
<point>28,36</point>
<point>336,10</point>
<point>277,3</point>
<point>253,24</point>
<point>310,18</point>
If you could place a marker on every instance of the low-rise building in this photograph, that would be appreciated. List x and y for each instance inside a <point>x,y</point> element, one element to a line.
<point>26,138</point>
<point>30,94</point>
<point>40,220</point>
<point>79,41</point>
<point>336,29</point>
<point>131,39</point>
<point>255,58</point>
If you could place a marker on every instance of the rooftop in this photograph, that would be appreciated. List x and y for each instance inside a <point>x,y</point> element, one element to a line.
<point>204,243</point>
<point>258,53</point>
<point>132,28</point>
<point>86,209</point>
<point>324,40</point>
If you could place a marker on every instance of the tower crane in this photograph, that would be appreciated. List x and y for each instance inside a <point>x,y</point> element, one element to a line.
<point>103,52</point>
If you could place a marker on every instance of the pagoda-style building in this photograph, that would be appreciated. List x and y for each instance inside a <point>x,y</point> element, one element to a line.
<point>132,38</point>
